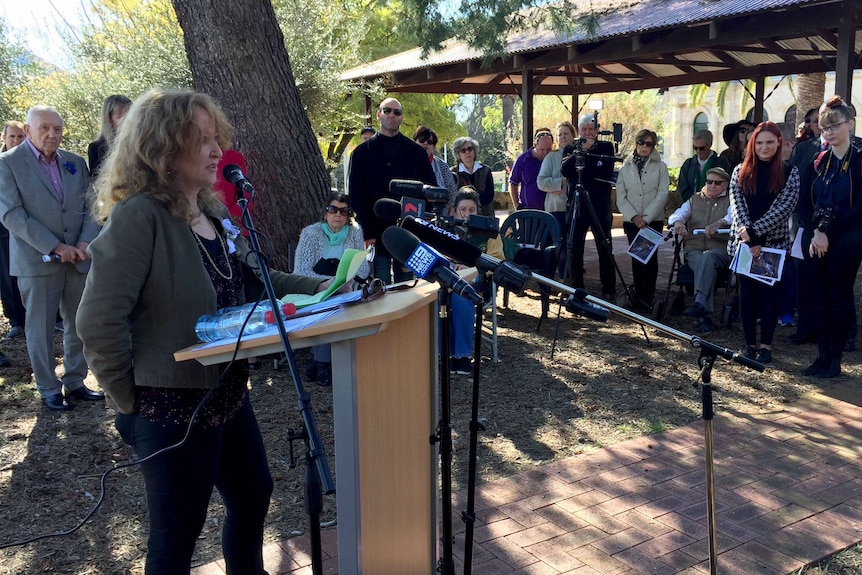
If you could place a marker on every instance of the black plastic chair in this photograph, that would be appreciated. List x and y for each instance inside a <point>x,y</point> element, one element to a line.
<point>537,234</point>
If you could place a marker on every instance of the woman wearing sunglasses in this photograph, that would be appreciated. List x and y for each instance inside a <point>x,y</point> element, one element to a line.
<point>320,248</point>
<point>642,190</point>
<point>763,192</point>
<point>469,172</point>
<point>830,213</point>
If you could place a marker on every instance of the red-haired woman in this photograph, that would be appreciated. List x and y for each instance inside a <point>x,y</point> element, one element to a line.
<point>830,212</point>
<point>763,193</point>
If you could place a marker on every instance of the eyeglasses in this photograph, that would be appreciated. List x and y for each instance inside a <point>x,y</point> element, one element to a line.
<point>467,149</point>
<point>700,148</point>
<point>715,182</point>
<point>832,128</point>
<point>388,110</point>
<point>647,143</point>
<point>541,135</point>
<point>347,212</point>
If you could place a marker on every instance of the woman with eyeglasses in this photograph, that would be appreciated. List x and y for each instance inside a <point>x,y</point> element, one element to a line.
<point>427,138</point>
<point>470,172</point>
<point>763,192</point>
<point>830,213</point>
<point>320,248</point>
<point>642,190</point>
<point>736,137</point>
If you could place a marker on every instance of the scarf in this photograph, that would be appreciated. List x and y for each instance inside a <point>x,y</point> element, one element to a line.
<point>640,162</point>
<point>335,238</point>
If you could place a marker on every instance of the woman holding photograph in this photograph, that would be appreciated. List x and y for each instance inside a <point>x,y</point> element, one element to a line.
<point>642,190</point>
<point>763,193</point>
<point>830,212</point>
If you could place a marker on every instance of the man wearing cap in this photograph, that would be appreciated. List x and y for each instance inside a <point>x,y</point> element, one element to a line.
<point>366,133</point>
<point>693,171</point>
<point>387,155</point>
<point>698,220</point>
<point>522,183</point>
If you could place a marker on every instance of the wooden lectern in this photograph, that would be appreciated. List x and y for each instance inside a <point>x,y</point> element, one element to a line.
<point>384,362</point>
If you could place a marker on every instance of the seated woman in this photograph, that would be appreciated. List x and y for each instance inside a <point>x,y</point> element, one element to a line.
<point>467,204</point>
<point>320,248</point>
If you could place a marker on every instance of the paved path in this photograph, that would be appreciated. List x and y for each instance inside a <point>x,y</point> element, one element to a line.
<point>788,492</point>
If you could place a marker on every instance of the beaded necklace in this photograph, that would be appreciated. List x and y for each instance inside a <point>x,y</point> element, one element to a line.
<point>206,253</point>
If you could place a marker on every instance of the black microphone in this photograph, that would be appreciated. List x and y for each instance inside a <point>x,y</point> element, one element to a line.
<point>233,174</point>
<point>426,262</point>
<point>506,274</point>
<point>387,209</point>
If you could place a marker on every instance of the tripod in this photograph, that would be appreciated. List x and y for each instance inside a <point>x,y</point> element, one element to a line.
<point>572,213</point>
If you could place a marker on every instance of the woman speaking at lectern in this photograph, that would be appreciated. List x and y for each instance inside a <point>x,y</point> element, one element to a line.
<point>168,254</point>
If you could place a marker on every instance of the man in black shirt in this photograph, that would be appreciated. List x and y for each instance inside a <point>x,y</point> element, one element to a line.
<point>385,156</point>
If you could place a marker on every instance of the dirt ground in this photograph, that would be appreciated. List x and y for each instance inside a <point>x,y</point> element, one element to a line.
<point>605,384</point>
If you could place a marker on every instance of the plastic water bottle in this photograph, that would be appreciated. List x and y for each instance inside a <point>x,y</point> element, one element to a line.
<point>228,323</point>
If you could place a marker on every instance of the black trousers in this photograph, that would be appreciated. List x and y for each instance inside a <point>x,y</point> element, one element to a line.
<point>179,484</point>
<point>833,277</point>
<point>644,275</point>
<point>13,305</point>
<point>583,223</point>
<point>758,300</point>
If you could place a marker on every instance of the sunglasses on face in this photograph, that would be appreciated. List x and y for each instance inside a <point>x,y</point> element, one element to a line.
<point>347,212</point>
<point>700,148</point>
<point>715,182</point>
<point>468,149</point>
<point>647,143</point>
<point>388,110</point>
<point>744,130</point>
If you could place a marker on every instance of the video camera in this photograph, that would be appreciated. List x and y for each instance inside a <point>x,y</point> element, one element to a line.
<point>416,197</point>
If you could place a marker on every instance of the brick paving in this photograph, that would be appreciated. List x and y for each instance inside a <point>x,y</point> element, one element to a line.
<point>788,492</point>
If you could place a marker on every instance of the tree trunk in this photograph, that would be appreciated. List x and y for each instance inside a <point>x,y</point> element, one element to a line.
<point>236,53</point>
<point>810,93</point>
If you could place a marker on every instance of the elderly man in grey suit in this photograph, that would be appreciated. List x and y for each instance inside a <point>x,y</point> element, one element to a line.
<point>43,205</point>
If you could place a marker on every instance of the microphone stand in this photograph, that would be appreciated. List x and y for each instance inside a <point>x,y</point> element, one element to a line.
<point>317,467</point>
<point>468,516</point>
<point>443,436</point>
<point>708,352</point>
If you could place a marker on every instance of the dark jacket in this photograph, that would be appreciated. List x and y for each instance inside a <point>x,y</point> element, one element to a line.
<point>144,293</point>
<point>597,175</point>
<point>691,177</point>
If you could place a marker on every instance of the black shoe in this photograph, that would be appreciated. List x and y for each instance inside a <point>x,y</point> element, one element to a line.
<point>56,402</point>
<point>816,366</point>
<point>850,345</point>
<point>15,332</point>
<point>763,355</point>
<point>324,373</point>
<point>85,394</point>
<point>311,372</point>
<point>461,366</point>
<point>705,325</point>
<point>749,352</point>
<point>4,361</point>
<point>694,310</point>
<point>830,369</point>
<point>801,338</point>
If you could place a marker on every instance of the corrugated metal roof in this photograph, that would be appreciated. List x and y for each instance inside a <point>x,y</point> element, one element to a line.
<point>617,18</point>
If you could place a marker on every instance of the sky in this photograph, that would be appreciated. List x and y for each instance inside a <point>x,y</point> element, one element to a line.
<point>35,23</point>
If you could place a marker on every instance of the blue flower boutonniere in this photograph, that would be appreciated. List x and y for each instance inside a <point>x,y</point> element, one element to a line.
<point>70,167</point>
<point>231,232</point>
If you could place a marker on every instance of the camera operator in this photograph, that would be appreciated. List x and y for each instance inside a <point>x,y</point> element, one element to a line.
<point>385,156</point>
<point>596,178</point>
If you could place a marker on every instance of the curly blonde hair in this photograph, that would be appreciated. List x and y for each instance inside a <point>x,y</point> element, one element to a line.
<point>158,129</point>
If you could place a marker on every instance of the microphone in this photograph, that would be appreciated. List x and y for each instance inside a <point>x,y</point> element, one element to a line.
<point>506,274</point>
<point>426,262</point>
<point>233,174</point>
<point>387,209</point>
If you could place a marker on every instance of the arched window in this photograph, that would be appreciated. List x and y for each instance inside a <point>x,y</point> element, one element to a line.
<point>750,115</point>
<point>790,115</point>
<point>701,122</point>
